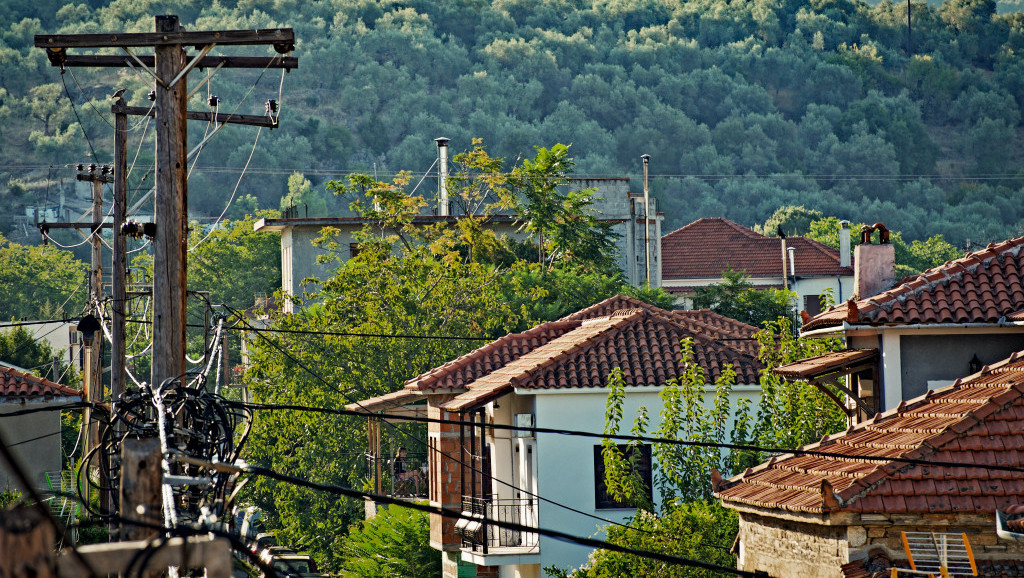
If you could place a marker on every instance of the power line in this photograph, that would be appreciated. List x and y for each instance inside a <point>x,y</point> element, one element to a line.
<point>627,437</point>
<point>449,513</point>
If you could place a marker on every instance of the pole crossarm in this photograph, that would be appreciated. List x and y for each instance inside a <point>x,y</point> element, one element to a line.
<point>283,39</point>
<point>250,119</point>
<point>119,61</point>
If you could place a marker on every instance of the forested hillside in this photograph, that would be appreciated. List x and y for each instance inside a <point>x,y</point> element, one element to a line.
<point>743,106</point>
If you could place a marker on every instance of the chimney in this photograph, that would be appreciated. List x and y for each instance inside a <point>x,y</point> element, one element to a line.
<point>844,243</point>
<point>875,269</point>
<point>442,176</point>
<point>792,262</point>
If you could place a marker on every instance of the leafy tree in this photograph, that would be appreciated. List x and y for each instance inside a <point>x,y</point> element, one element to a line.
<point>792,220</point>
<point>233,262</point>
<point>40,282</point>
<point>18,347</point>
<point>309,202</point>
<point>395,542</point>
<point>564,227</point>
<point>737,298</point>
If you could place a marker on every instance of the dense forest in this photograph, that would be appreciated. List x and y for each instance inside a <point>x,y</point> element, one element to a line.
<point>743,106</point>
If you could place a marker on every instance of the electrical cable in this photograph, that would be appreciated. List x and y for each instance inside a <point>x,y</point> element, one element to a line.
<point>627,437</point>
<point>454,514</point>
<point>86,97</point>
<point>425,444</point>
<point>233,192</point>
<point>75,110</point>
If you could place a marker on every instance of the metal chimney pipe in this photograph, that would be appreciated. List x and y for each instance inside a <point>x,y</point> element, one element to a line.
<point>647,222</point>
<point>442,176</point>
<point>844,243</point>
<point>792,262</point>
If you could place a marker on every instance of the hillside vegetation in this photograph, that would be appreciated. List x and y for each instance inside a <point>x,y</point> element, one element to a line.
<point>744,106</point>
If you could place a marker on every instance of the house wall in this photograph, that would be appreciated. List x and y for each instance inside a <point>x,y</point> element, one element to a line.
<point>299,257</point>
<point>790,548</point>
<point>565,464</point>
<point>911,358</point>
<point>785,547</point>
<point>841,288</point>
<point>37,456</point>
<point>946,357</point>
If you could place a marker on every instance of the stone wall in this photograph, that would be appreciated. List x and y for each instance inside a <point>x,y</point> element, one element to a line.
<point>792,549</point>
<point>796,549</point>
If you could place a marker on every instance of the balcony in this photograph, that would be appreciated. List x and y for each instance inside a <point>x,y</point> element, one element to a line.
<point>488,544</point>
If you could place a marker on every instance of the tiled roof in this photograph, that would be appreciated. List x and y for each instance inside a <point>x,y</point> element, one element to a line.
<point>706,247</point>
<point>14,383</point>
<point>643,342</point>
<point>457,373</point>
<point>976,421</point>
<point>609,306</point>
<point>812,367</point>
<point>730,332</point>
<point>982,287</point>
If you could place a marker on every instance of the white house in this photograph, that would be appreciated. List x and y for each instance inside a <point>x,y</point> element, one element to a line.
<point>554,375</point>
<point>928,330</point>
<point>695,256</point>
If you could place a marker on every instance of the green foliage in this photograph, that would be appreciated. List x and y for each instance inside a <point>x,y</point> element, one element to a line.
<point>699,530</point>
<point>792,220</point>
<point>395,543</point>
<point>737,298</point>
<point>911,258</point>
<point>233,262</point>
<point>40,282</point>
<point>301,195</point>
<point>19,347</point>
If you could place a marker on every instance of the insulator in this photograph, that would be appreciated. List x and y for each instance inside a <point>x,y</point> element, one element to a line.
<point>151,95</point>
<point>213,101</point>
<point>271,106</point>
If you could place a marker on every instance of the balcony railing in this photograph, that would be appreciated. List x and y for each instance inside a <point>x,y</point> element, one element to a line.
<point>480,535</point>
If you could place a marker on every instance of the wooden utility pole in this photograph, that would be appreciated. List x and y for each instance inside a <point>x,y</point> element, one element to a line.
<point>118,258</point>
<point>170,71</point>
<point>93,348</point>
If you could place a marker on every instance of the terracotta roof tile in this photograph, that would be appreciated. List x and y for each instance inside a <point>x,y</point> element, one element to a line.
<point>983,287</point>
<point>975,421</point>
<point>14,383</point>
<point>643,342</point>
<point>706,247</point>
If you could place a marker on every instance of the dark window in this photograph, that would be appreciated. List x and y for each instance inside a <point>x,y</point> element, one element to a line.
<point>604,501</point>
<point>812,304</point>
<point>353,250</point>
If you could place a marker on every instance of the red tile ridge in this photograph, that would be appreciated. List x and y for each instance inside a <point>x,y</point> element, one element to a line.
<point>48,388</point>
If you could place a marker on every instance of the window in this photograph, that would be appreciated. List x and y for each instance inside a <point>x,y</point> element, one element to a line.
<point>353,250</point>
<point>812,304</point>
<point>603,501</point>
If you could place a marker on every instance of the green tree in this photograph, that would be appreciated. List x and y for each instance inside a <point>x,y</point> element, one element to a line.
<point>18,347</point>
<point>40,282</point>
<point>792,220</point>
<point>737,298</point>
<point>395,542</point>
<point>302,196</point>
<point>233,262</point>
<point>561,220</point>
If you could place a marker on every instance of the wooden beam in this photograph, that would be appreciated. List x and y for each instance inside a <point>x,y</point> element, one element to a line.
<point>119,61</point>
<point>141,477</point>
<point>250,119</point>
<point>275,36</point>
<point>90,226</point>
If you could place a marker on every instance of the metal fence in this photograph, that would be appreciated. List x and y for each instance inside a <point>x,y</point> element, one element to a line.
<point>481,535</point>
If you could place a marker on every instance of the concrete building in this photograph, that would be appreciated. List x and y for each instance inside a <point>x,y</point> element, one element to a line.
<point>554,375</point>
<point>613,203</point>
<point>33,437</point>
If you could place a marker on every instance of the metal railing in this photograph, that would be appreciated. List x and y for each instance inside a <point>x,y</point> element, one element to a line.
<point>480,535</point>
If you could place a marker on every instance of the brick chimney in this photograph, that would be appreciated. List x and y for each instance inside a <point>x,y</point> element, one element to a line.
<point>875,265</point>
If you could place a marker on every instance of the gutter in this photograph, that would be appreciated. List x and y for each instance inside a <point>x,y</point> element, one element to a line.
<point>845,327</point>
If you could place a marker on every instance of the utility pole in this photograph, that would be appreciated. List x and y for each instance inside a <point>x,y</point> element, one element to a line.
<point>94,347</point>
<point>647,220</point>
<point>170,72</point>
<point>118,258</point>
